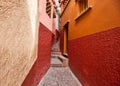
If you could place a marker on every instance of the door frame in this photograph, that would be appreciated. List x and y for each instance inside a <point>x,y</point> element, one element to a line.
<point>66,29</point>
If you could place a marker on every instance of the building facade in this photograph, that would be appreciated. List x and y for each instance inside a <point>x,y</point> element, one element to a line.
<point>26,37</point>
<point>46,35</point>
<point>90,36</point>
<point>18,40</point>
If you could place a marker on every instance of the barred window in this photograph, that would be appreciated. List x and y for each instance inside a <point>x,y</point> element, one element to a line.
<point>65,3</point>
<point>48,8</point>
<point>54,13</point>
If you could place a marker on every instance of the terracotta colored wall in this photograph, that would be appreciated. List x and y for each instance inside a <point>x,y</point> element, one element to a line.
<point>18,40</point>
<point>96,58</point>
<point>94,42</point>
<point>43,60</point>
<point>102,16</point>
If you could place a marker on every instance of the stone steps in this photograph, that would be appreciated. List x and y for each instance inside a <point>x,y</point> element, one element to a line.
<point>64,60</point>
<point>59,61</point>
<point>55,54</point>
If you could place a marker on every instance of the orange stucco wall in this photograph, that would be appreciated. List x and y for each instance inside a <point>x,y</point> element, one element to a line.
<point>93,42</point>
<point>65,41</point>
<point>102,16</point>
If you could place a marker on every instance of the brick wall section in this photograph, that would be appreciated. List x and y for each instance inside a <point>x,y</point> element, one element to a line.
<point>62,40</point>
<point>43,61</point>
<point>95,59</point>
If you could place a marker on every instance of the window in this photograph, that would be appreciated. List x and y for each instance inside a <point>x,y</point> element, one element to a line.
<point>54,13</point>
<point>83,8</point>
<point>48,8</point>
<point>65,3</point>
<point>83,4</point>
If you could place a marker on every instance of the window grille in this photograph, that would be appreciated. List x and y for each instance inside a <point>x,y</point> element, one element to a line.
<point>48,8</point>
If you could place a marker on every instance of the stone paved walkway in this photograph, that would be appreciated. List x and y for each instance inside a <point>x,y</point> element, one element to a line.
<point>59,76</point>
<point>55,61</point>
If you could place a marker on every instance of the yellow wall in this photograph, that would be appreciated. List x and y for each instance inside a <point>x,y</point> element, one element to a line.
<point>103,15</point>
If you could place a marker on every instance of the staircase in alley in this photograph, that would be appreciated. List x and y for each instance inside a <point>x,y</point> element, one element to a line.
<point>58,60</point>
<point>59,74</point>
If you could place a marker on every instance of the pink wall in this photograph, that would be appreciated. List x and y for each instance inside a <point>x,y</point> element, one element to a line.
<point>45,39</point>
<point>95,59</point>
<point>43,60</point>
<point>44,18</point>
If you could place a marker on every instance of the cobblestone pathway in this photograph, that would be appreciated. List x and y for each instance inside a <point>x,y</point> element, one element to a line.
<point>59,76</point>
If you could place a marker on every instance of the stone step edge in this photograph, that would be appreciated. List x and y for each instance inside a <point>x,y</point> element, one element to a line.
<point>57,65</point>
<point>64,61</point>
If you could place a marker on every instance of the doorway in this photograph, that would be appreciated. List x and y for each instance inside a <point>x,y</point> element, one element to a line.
<point>66,26</point>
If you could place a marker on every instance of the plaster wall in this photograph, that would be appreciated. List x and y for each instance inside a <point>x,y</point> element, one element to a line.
<point>18,40</point>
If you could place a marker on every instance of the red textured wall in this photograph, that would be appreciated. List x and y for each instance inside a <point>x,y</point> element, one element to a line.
<point>95,59</point>
<point>43,61</point>
<point>56,36</point>
<point>62,40</point>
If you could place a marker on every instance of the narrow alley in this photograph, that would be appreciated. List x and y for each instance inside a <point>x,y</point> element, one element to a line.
<point>59,75</point>
<point>59,42</point>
